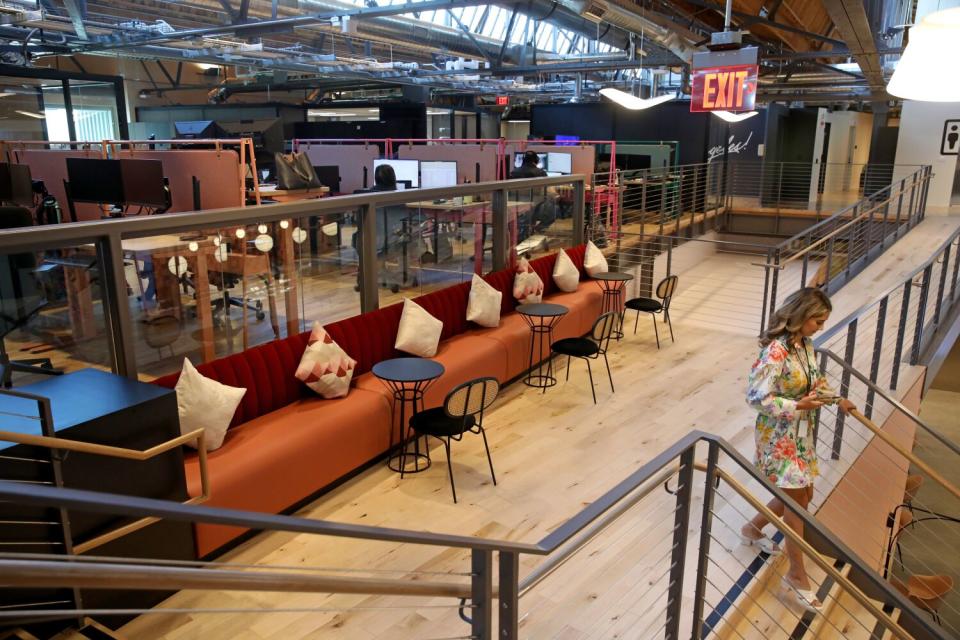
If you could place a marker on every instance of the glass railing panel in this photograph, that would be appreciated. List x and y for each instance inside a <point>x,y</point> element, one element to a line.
<point>52,308</point>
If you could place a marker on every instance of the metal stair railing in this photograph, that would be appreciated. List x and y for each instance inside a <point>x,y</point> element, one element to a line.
<point>692,564</point>
<point>837,248</point>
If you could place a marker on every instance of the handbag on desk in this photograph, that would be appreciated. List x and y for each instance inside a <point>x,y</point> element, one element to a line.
<point>294,171</point>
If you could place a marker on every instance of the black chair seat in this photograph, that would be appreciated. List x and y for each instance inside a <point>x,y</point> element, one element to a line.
<point>435,422</point>
<point>643,304</point>
<point>577,347</point>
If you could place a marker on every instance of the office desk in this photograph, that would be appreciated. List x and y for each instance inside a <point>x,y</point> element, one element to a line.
<point>201,263</point>
<point>478,212</point>
<point>290,195</point>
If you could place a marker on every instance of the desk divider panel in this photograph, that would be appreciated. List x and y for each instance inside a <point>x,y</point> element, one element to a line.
<point>217,171</point>
<point>467,157</point>
<point>351,158</point>
<point>50,165</point>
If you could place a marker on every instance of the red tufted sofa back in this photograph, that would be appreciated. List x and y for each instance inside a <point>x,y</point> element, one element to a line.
<point>267,371</point>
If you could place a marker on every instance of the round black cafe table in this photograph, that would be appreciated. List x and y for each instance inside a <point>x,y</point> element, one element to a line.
<point>541,317</point>
<point>408,380</point>
<point>612,283</point>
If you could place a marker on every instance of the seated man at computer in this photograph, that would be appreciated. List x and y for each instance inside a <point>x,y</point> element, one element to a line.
<point>529,168</point>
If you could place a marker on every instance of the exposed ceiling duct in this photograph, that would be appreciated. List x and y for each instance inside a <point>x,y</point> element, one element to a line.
<point>671,37</point>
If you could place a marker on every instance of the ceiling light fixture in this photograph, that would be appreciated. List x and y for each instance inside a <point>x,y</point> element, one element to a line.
<point>726,116</point>
<point>920,73</point>
<point>38,116</point>
<point>632,102</point>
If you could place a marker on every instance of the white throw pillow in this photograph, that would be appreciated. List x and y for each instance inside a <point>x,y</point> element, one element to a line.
<point>527,285</point>
<point>593,260</point>
<point>419,332</point>
<point>204,402</point>
<point>483,305</point>
<point>324,366</point>
<point>565,273</point>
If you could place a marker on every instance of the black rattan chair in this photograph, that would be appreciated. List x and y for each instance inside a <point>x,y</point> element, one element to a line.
<point>648,305</point>
<point>590,348</point>
<point>462,412</point>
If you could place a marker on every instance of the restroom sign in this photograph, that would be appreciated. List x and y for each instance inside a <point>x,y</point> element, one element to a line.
<point>731,88</point>
<point>950,143</point>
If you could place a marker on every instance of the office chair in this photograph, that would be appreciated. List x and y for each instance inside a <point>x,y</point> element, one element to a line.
<point>928,592</point>
<point>590,348</point>
<point>665,292</point>
<point>20,299</point>
<point>462,412</point>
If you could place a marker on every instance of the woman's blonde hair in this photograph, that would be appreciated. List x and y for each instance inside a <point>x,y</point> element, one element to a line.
<point>795,310</point>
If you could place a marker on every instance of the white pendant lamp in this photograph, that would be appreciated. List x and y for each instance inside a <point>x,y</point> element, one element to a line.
<point>734,117</point>
<point>928,68</point>
<point>632,102</point>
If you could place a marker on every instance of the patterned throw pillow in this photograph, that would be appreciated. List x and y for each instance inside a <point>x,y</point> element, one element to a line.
<point>527,285</point>
<point>324,366</point>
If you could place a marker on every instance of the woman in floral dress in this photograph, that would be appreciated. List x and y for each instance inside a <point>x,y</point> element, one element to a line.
<point>786,388</point>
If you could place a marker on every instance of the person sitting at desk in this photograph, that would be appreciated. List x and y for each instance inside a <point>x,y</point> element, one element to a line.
<point>529,168</point>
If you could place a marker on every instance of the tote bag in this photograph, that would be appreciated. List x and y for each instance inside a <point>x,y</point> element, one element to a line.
<point>294,171</point>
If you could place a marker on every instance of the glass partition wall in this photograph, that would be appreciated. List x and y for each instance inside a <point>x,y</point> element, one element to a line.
<point>138,295</point>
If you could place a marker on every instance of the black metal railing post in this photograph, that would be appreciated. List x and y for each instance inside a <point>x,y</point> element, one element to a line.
<point>844,388</point>
<point>501,242</point>
<point>774,280</point>
<point>921,314</point>
<point>851,239</point>
<point>509,585</point>
<point>944,268</point>
<point>481,594</point>
<point>877,349</point>
<point>826,275</point>
<point>901,334</point>
<point>766,291</point>
<point>956,272</point>
<point>910,209</point>
<point>681,529</point>
<point>706,525</point>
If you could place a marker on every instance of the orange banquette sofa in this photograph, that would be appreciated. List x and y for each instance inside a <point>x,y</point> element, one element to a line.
<point>286,444</point>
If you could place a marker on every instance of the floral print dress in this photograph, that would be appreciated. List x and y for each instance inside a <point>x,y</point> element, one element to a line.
<point>786,450</point>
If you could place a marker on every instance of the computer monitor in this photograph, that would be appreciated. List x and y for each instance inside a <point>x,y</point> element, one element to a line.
<point>560,162</point>
<point>142,182</point>
<point>267,134</point>
<point>518,160</point>
<point>407,170</point>
<point>441,173</point>
<point>197,129</point>
<point>329,176</point>
<point>16,185</point>
<point>95,180</point>
<point>566,141</point>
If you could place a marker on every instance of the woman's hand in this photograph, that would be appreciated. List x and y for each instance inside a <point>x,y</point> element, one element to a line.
<point>846,405</point>
<point>809,402</point>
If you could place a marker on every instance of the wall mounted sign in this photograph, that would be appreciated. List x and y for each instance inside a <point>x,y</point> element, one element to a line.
<point>734,147</point>
<point>950,143</point>
<point>724,80</point>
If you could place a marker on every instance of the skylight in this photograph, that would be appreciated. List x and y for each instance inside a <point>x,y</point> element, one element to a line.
<point>492,21</point>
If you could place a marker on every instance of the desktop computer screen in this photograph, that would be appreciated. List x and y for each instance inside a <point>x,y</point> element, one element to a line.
<point>561,163</point>
<point>438,174</point>
<point>518,160</point>
<point>406,170</point>
<point>16,184</point>
<point>329,176</point>
<point>95,180</point>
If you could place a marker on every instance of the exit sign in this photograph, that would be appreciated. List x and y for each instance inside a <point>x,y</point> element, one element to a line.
<point>732,88</point>
<point>503,101</point>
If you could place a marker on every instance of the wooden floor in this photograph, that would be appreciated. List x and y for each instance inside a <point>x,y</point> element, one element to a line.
<point>554,453</point>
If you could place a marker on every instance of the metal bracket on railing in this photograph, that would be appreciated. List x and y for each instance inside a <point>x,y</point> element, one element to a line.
<point>460,609</point>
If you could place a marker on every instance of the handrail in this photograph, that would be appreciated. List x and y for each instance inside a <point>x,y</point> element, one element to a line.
<point>906,453</point>
<point>809,551</point>
<point>602,508</point>
<point>826,221</point>
<point>858,313</point>
<point>51,573</point>
<point>950,444</point>
<point>65,235</point>
<point>48,442</point>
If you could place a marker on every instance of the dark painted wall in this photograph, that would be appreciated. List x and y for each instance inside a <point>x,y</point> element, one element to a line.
<point>606,121</point>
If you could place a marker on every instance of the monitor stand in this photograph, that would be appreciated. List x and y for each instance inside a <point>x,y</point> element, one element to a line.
<point>197,206</point>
